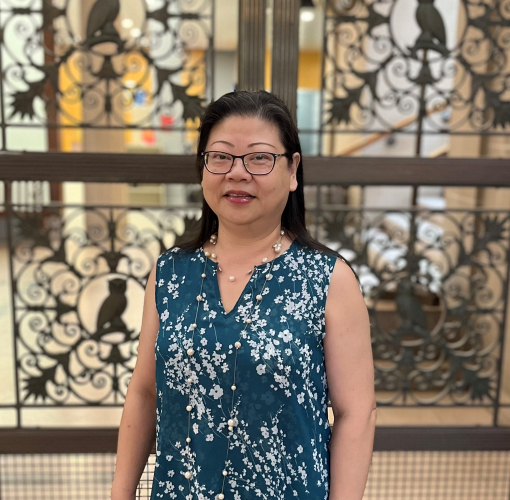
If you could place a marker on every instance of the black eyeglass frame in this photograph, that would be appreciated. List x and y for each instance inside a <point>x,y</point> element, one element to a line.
<point>274,155</point>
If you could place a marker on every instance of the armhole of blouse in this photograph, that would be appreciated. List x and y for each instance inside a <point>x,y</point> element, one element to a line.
<point>353,271</point>
<point>332,260</point>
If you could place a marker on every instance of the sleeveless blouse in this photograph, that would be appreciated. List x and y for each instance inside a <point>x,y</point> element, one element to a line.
<point>279,448</point>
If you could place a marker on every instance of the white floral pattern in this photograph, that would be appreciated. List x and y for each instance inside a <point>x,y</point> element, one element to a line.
<point>280,446</point>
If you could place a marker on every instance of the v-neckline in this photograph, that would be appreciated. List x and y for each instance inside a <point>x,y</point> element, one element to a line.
<point>256,271</point>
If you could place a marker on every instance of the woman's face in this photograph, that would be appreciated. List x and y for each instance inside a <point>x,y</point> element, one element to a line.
<point>239,135</point>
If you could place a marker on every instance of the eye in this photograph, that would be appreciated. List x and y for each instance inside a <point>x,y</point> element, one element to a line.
<point>260,157</point>
<point>219,156</point>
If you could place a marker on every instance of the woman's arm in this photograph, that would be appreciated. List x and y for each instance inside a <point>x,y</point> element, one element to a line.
<point>350,374</point>
<point>138,424</point>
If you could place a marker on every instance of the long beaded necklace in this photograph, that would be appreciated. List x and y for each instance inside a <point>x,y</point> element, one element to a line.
<point>214,240</point>
<point>231,422</point>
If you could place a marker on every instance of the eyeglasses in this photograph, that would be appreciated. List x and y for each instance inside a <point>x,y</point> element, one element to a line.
<point>218,162</point>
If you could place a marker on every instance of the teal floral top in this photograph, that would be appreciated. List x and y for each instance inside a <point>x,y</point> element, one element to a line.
<point>279,448</point>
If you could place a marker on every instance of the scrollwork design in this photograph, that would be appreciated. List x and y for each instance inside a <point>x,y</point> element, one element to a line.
<point>76,337</point>
<point>103,71</point>
<point>437,308</point>
<point>448,83</point>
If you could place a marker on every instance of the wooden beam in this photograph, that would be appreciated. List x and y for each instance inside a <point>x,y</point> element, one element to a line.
<point>175,169</point>
<point>29,441</point>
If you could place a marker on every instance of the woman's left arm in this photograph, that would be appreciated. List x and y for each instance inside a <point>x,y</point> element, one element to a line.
<point>350,374</point>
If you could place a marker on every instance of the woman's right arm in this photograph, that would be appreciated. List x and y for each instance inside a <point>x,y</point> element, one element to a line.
<point>137,430</point>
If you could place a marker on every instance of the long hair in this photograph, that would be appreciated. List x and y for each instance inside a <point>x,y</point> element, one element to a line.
<point>269,108</point>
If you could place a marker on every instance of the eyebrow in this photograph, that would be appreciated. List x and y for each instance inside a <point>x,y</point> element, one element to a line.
<point>257,143</point>
<point>249,145</point>
<point>224,142</point>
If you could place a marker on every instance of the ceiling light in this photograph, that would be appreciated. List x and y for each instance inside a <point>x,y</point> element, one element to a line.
<point>307,11</point>
<point>307,15</point>
<point>127,23</point>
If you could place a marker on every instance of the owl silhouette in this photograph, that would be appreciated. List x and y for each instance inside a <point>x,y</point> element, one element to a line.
<point>414,319</point>
<point>100,26</point>
<point>109,316</point>
<point>433,33</point>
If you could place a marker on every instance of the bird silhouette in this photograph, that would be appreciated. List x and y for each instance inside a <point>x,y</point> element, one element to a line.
<point>433,33</point>
<point>109,316</point>
<point>414,319</point>
<point>100,22</point>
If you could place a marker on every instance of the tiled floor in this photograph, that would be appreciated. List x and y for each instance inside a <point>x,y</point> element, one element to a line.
<point>392,476</point>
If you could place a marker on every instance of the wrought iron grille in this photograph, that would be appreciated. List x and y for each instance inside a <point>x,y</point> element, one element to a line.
<point>436,285</point>
<point>408,67</point>
<point>58,73</point>
<point>437,300</point>
<point>75,273</point>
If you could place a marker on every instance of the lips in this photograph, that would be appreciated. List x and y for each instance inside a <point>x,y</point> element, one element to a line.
<point>238,194</point>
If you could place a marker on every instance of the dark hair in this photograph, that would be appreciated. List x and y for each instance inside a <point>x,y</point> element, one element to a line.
<point>267,107</point>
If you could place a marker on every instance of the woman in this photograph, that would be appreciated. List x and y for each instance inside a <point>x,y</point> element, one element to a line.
<point>246,332</point>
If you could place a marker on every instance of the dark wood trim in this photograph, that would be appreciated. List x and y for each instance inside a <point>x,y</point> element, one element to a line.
<point>347,171</point>
<point>27,441</point>
<point>251,54</point>
<point>99,167</point>
<point>442,439</point>
<point>172,169</point>
<point>285,53</point>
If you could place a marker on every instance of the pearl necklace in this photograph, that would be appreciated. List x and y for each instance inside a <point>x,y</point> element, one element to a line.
<point>214,240</point>
<point>232,421</point>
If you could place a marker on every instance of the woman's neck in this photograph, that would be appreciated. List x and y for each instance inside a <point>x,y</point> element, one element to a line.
<point>238,250</point>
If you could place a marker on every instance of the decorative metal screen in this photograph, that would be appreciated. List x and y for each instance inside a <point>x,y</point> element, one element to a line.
<point>86,65</point>
<point>416,66</point>
<point>435,283</point>
<point>79,280</point>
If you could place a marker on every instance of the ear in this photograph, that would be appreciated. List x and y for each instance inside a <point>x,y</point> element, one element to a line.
<point>296,158</point>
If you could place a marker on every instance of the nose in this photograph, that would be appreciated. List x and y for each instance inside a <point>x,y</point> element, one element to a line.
<point>238,170</point>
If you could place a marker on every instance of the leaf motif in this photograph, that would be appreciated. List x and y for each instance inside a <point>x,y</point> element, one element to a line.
<point>36,386</point>
<point>23,101</point>
<point>494,228</point>
<point>341,106</point>
<point>494,232</point>
<point>163,75</point>
<point>193,106</point>
<point>481,387</point>
<point>501,109</point>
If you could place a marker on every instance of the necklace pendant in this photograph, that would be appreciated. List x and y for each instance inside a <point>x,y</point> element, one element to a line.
<point>232,278</point>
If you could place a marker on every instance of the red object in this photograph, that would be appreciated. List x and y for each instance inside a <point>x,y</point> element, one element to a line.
<point>167,121</point>
<point>148,136</point>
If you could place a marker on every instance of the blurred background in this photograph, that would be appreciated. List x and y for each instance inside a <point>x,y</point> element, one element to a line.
<point>403,108</point>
